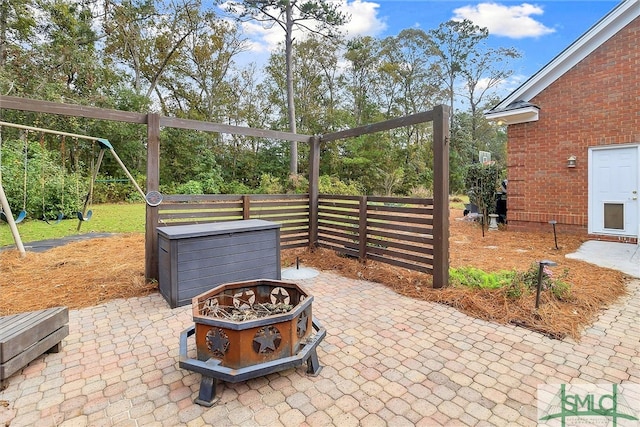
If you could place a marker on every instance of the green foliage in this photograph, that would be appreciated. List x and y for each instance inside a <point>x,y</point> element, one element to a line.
<point>514,284</point>
<point>297,184</point>
<point>421,192</point>
<point>270,185</point>
<point>476,278</point>
<point>50,188</point>
<point>116,190</point>
<point>550,281</point>
<point>333,185</point>
<point>482,183</point>
<point>190,187</point>
<point>235,187</point>
<point>178,59</point>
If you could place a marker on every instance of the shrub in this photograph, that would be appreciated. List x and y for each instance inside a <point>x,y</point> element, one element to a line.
<point>482,182</point>
<point>476,278</point>
<point>270,184</point>
<point>515,284</point>
<point>549,281</point>
<point>332,185</point>
<point>422,192</point>
<point>235,187</point>
<point>190,187</point>
<point>297,184</point>
<point>50,188</point>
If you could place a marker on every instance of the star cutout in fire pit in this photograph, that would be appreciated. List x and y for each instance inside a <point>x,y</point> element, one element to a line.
<point>302,323</point>
<point>280,296</point>
<point>267,340</point>
<point>217,342</point>
<point>244,299</point>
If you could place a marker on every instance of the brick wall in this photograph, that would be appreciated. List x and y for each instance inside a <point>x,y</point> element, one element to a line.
<point>595,103</point>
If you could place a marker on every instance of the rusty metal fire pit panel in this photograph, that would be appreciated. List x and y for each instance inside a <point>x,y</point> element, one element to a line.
<point>245,323</point>
<point>248,329</point>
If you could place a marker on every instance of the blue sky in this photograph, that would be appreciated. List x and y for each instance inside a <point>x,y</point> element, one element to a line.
<point>540,30</point>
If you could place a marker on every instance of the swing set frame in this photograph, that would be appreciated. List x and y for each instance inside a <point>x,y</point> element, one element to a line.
<point>83,215</point>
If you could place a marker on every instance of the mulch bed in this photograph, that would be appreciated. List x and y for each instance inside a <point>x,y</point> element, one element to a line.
<point>88,273</point>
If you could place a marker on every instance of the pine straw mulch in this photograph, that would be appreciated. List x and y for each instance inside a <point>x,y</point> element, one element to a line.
<point>593,288</point>
<point>76,275</point>
<point>88,273</point>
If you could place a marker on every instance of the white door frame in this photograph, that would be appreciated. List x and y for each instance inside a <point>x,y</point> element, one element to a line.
<point>591,202</point>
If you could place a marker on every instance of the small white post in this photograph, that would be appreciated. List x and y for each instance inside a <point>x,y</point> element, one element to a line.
<point>493,222</point>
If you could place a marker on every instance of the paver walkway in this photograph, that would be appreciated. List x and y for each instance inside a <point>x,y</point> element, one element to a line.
<point>388,360</point>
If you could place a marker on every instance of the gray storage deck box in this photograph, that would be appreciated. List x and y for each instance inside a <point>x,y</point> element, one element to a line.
<point>193,259</point>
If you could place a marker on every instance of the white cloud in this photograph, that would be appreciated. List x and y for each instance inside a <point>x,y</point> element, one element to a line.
<point>364,18</point>
<point>262,39</point>
<point>509,21</point>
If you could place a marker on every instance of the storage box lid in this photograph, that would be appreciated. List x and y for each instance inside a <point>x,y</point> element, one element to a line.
<point>214,228</point>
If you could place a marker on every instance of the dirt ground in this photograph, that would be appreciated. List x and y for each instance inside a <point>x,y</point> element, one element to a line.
<point>90,272</point>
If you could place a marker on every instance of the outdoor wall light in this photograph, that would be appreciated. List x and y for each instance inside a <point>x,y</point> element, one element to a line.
<point>571,162</point>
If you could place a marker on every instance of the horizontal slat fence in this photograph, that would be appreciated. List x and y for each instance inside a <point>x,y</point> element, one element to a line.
<point>291,211</point>
<point>392,230</point>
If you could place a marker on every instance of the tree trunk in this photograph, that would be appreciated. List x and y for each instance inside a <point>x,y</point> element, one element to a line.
<point>3,31</point>
<point>293,165</point>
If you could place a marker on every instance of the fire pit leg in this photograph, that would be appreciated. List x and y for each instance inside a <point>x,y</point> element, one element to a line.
<point>207,395</point>
<point>313,365</point>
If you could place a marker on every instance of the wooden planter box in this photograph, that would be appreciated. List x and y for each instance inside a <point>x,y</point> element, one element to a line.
<point>195,258</point>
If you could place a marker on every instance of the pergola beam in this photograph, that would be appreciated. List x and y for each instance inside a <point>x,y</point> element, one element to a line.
<point>49,107</point>
<point>230,129</point>
<point>413,119</point>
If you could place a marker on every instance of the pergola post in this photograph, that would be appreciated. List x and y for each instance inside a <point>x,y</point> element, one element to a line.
<point>153,184</point>
<point>441,196</point>
<point>314,185</point>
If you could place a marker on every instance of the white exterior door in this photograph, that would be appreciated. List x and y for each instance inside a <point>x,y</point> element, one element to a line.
<point>614,182</point>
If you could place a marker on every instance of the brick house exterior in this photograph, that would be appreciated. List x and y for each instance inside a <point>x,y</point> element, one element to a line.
<point>562,127</point>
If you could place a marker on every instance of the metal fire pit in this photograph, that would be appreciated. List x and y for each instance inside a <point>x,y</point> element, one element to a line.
<point>245,330</point>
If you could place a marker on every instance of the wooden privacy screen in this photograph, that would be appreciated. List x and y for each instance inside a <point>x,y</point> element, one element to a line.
<point>392,230</point>
<point>289,210</point>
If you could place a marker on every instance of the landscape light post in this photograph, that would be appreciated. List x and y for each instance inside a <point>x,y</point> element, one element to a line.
<point>553,223</point>
<point>542,264</point>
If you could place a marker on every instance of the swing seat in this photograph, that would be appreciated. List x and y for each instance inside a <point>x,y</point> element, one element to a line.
<point>22,215</point>
<point>55,220</point>
<point>81,217</point>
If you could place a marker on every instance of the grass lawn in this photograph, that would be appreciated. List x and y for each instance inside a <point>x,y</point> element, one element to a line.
<point>107,218</point>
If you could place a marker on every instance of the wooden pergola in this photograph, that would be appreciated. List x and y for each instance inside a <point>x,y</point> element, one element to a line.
<point>439,116</point>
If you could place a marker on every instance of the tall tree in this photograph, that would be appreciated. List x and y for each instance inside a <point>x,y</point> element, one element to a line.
<point>198,85</point>
<point>484,69</point>
<point>363,56</point>
<point>146,37</point>
<point>408,61</point>
<point>454,42</point>
<point>319,17</point>
<point>17,23</point>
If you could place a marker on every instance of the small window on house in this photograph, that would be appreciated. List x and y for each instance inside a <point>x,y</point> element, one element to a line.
<point>614,216</point>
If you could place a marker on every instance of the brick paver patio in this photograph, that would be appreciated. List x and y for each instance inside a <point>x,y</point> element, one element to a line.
<point>388,360</point>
